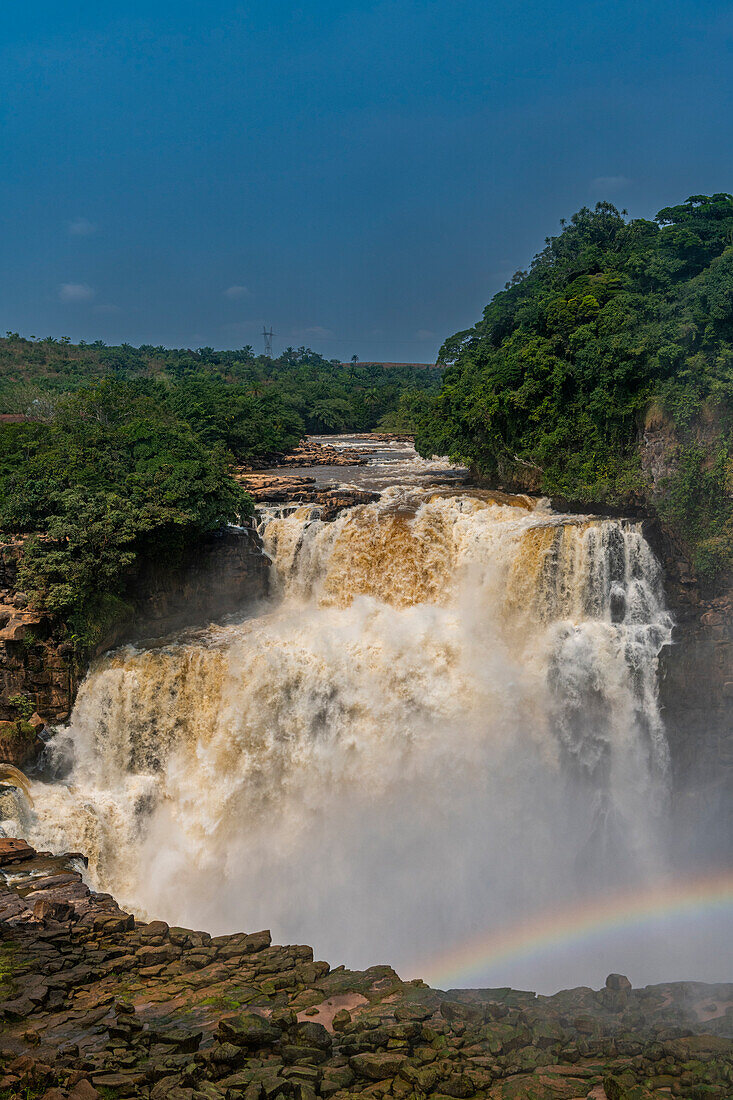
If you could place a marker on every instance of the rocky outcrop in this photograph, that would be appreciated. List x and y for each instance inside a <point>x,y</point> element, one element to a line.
<point>696,671</point>
<point>38,669</point>
<point>278,489</point>
<point>94,1003</point>
<point>310,452</point>
<point>307,453</point>
<point>20,741</point>
<point>216,577</point>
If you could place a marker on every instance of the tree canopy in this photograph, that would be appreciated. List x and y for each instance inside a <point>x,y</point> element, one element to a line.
<point>253,403</point>
<point>114,475</point>
<point>125,452</point>
<point>614,318</point>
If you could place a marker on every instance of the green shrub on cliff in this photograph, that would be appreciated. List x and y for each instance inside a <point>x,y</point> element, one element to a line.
<point>550,388</point>
<point>114,476</point>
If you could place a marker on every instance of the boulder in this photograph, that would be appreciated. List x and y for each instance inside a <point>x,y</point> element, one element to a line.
<point>312,1034</point>
<point>47,909</point>
<point>378,1066</point>
<point>83,1090</point>
<point>249,1030</point>
<point>460,1012</point>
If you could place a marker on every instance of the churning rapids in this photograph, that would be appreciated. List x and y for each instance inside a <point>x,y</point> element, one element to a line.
<point>444,719</point>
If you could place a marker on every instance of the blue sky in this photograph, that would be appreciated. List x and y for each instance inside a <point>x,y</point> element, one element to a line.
<point>361,176</point>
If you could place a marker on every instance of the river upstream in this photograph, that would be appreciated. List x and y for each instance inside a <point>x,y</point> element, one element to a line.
<point>438,744</point>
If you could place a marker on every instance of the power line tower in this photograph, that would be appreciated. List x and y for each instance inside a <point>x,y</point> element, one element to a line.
<point>268,340</point>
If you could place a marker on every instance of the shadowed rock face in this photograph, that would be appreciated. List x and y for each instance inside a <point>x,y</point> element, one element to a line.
<point>696,696</point>
<point>93,1003</point>
<point>36,661</point>
<point>217,577</point>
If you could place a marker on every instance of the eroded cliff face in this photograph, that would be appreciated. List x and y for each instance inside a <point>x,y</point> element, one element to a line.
<point>696,670</point>
<point>215,578</point>
<point>696,695</point>
<point>37,663</point>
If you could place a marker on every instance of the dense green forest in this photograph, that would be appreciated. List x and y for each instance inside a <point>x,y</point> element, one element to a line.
<point>112,477</point>
<point>618,327</point>
<point>299,392</point>
<point>128,452</point>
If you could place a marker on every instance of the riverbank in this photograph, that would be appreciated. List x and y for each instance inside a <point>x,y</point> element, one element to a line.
<point>96,1004</point>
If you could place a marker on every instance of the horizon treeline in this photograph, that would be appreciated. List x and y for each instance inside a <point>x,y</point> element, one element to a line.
<point>296,392</point>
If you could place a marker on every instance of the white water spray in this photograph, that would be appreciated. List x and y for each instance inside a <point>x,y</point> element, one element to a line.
<point>447,718</point>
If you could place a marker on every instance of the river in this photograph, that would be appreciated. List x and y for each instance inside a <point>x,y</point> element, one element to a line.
<point>443,725</point>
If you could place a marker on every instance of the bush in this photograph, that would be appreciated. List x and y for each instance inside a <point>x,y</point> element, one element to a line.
<point>115,476</point>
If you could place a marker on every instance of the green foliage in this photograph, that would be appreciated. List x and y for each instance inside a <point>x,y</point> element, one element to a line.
<point>23,705</point>
<point>7,968</point>
<point>412,408</point>
<point>115,475</point>
<point>696,502</point>
<point>550,388</point>
<point>126,453</point>
<point>252,404</point>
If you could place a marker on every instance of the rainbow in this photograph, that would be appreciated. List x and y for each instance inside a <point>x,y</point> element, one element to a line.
<point>666,898</point>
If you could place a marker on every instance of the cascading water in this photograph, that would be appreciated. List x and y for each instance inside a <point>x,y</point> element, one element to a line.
<point>446,718</point>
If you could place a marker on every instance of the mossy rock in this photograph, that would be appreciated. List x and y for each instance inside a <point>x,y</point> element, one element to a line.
<point>537,1087</point>
<point>19,743</point>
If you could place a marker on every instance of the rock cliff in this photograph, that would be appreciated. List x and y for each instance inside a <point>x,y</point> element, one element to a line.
<point>38,669</point>
<point>696,693</point>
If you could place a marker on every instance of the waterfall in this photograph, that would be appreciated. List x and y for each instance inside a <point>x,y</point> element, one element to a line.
<point>446,717</point>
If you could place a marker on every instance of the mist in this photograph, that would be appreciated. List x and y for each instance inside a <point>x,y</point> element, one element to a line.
<point>444,724</point>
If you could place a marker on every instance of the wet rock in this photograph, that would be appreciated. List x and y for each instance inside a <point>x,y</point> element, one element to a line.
<point>379,1065</point>
<point>310,453</point>
<point>14,851</point>
<point>279,489</point>
<point>249,1030</point>
<point>458,1012</point>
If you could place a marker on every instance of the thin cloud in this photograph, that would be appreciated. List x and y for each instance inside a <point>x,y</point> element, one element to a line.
<point>424,334</point>
<point>74,293</point>
<point>236,293</point>
<point>317,331</point>
<point>81,227</point>
<point>609,184</point>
